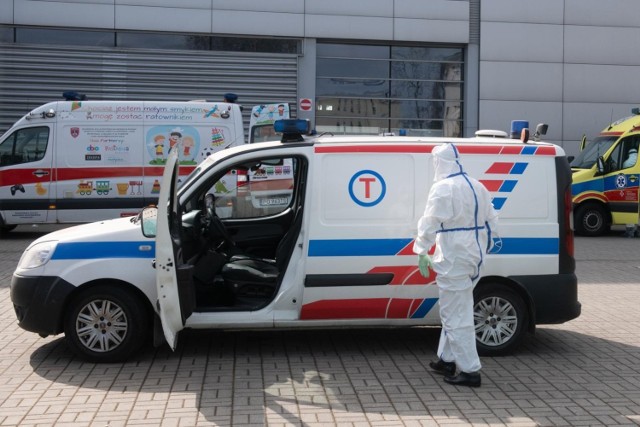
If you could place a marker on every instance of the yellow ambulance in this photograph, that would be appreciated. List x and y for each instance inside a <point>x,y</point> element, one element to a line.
<point>605,178</point>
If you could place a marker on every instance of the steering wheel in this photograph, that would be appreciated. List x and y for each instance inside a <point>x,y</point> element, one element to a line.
<point>215,227</point>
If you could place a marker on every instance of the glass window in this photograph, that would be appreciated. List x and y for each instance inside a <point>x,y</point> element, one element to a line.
<point>417,89</point>
<point>262,188</point>
<point>352,51</point>
<point>64,37</point>
<point>241,44</point>
<point>629,152</point>
<point>373,88</point>
<point>24,146</point>
<point>6,34</point>
<point>438,54</point>
<point>163,41</point>
<point>361,68</point>
<point>352,107</point>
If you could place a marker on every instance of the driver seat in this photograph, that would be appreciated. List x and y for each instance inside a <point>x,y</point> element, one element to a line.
<point>249,276</point>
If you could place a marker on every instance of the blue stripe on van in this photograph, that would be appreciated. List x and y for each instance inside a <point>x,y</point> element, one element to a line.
<point>391,247</point>
<point>97,250</point>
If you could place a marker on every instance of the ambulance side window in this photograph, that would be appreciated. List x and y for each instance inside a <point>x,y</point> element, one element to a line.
<point>256,189</point>
<point>629,150</point>
<point>24,146</point>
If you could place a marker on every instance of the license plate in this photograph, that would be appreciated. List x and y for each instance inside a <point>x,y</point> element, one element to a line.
<point>274,201</point>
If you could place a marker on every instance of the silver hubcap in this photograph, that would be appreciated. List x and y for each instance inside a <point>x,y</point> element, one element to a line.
<point>496,321</point>
<point>592,221</point>
<point>101,325</point>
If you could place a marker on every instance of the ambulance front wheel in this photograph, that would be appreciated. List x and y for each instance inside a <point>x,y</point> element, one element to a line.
<point>591,219</point>
<point>500,316</point>
<point>106,323</point>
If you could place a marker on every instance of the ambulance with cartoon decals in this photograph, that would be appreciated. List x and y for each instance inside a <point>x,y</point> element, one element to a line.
<point>606,175</point>
<point>83,161</point>
<point>338,254</point>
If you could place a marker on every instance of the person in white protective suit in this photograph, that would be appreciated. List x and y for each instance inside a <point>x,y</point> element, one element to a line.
<point>459,219</point>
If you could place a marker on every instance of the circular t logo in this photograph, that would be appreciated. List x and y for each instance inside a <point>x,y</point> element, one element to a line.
<point>367,188</point>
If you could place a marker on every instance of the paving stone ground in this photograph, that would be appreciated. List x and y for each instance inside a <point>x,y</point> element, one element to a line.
<point>582,373</point>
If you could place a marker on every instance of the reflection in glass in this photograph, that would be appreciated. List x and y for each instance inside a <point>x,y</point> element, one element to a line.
<point>64,37</point>
<point>371,88</point>
<point>360,68</point>
<point>375,89</point>
<point>6,35</point>
<point>163,41</point>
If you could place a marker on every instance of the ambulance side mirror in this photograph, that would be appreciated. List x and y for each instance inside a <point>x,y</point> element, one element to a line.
<point>601,165</point>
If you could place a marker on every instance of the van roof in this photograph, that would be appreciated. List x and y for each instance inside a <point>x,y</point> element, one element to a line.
<point>621,126</point>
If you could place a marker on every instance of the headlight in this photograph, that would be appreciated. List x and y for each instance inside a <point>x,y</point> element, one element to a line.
<point>37,255</point>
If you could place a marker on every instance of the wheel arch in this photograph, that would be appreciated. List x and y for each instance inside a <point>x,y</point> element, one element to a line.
<point>134,290</point>
<point>519,289</point>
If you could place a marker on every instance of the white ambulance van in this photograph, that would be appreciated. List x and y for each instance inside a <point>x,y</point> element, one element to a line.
<point>84,161</point>
<point>339,254</point>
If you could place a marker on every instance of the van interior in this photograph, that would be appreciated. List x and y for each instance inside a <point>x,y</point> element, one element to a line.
<point>238,232</point>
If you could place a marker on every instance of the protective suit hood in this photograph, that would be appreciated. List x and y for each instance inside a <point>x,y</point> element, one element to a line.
<point>446,161</point>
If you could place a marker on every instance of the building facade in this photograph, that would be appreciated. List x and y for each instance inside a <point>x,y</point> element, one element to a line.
<point>442,67</point>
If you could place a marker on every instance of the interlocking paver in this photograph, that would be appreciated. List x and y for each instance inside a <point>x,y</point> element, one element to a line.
<point>584,372</point>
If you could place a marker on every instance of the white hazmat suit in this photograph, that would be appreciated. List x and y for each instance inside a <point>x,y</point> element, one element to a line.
<point>459,218</point>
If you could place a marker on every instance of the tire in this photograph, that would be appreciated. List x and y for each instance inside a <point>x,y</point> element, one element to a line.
<point>106,323</point>
<point>591,220</point>
<point>501,319</point>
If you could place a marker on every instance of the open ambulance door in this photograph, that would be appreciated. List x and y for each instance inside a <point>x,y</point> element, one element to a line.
<point>174,279</point>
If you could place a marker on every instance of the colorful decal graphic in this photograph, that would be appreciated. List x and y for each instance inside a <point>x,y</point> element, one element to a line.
<point>503,185</point>
<point>86,188</point>
<point>161,139</point>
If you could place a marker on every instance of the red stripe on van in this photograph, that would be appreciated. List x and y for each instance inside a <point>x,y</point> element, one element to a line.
<point>363,308</point>
<point>500,168</point>
<point>400,308</point>
<point>462,148</point>
<point>399,148</point>
<point>492,184</point>
<point>24,176</point>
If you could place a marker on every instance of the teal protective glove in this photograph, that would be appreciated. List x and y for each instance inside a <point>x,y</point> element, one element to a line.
<point>424,264</point>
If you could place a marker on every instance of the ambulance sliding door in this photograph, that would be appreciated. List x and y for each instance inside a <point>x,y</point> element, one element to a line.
<point>99,159</point>
<point>360,264</point>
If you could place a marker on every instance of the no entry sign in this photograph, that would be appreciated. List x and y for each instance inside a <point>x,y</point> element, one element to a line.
<point>305,104</point>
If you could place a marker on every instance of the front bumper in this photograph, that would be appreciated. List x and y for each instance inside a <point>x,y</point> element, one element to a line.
<point>39,302</point>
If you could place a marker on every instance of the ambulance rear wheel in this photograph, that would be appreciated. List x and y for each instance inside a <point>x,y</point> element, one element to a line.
<point>106,323</point>
<point>591,220</point>
<point>500,316</point>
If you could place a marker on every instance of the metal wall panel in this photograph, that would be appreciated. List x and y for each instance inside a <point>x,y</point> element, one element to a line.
<point>31,75</point>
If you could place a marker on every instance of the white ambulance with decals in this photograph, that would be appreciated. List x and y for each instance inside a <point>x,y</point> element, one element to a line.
<point>337,255</point>
<point>84,161</point>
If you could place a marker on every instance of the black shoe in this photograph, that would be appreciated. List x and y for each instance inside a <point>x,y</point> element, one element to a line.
<point>466,379</point>
<point>444,368</point>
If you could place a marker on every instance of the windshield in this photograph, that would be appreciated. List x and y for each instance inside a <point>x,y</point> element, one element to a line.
<point>587,157</point>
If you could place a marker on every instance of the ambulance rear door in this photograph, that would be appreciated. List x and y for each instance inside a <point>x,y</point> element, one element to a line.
<point>173,278</point>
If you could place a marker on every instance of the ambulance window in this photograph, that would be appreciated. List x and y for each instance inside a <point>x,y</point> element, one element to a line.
<point>24,146</point>
<point>256,189</point>
<point>629,151</point>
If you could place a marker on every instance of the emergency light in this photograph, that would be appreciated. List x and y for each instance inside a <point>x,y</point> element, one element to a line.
<point>292,129</point>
